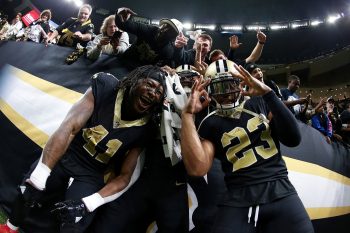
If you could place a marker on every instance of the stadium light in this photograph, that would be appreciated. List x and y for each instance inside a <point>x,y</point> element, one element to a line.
<point>315,22</point>
<point>78,3</point>
<point>155,22</point>
<point>205,26</point>
<point>278,26</point>
<point>333,18</point>
<point>299,24</point>
<point>232,27</point>
<point>187,25</point>
<point>255,27</point>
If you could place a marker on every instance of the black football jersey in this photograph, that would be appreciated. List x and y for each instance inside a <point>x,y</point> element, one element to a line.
<point>69,27</point>
<point>248,151</point>
<point>106,136</point>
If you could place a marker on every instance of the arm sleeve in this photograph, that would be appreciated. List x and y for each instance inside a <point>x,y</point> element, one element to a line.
<point>283,122</point>
<point>93,52</point>
<point>284,93</point>
<point>65,24</point>
<point>315,122</point>
<point>123,43</point>
<point>231,54</point>
<point>46,28</point>
<point>136,28</point>
<point>182,57</point>
<point>89,29</point>
<point>103,85</point>
<point>19,25</point>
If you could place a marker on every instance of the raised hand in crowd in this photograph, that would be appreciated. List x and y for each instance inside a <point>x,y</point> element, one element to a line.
<point>260,36</point>
<point>256,88</point>
<point>200,65</point>
<point>320,104</point>
<point>306,103</point>
<point>234,42</point>
<point>305,100</point>
<point>199,98</point>
<point>125,13</point>
<point>181,40</point>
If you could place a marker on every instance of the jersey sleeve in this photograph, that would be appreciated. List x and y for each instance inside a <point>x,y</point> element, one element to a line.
<point>103,85</point>
<point>203,125</point>
<point>65,25</point>
<point>89,29</point>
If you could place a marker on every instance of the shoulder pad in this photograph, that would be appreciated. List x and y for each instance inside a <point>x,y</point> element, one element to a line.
<point>103,75</point>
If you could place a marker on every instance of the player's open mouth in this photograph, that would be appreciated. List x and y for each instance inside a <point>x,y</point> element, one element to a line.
<point>145,101</point>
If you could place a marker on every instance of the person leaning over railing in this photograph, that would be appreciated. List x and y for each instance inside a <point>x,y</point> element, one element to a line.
<point>111,41</point>
<point>75,30</point>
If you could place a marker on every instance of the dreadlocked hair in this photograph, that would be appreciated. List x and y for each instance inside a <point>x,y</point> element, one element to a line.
<point>143,72</point>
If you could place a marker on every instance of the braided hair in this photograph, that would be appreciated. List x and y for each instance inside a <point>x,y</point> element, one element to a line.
<point>143,72</point>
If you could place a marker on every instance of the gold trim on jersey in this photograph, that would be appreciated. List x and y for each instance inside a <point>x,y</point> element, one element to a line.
<point>117,121</point>
<point>237,114</point>
<point>87,22</point>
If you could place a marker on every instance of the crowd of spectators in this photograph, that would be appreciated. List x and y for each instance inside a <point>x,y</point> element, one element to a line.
<point>324,115</point>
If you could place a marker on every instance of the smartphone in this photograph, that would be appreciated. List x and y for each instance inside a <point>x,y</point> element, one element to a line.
<point>116,35</point>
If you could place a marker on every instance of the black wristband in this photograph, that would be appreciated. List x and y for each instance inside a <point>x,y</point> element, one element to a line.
<point>261,42</point>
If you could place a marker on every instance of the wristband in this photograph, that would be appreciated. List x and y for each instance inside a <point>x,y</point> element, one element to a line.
<point>40,175</point>
<point>93,201</point>
<point>261,42</point>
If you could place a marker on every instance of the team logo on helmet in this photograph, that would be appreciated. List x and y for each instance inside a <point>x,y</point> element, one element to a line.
<point>224,87</point>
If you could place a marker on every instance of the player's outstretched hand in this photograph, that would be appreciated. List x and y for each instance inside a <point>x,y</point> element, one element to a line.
<point>199,98</point>
<point>256,87</point>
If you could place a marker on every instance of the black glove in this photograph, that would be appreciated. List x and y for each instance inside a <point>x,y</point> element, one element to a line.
<point>70,211</point>
<point>32,196</point>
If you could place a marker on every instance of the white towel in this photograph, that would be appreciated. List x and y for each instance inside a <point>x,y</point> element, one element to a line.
<point>171,118</point>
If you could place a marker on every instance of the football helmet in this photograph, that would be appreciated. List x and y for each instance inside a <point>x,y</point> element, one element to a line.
<point>187,76</point>
<point>174,23</point>
<point>224,87</point>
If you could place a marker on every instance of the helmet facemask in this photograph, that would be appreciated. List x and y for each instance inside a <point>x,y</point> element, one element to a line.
<point>187,76</point>
<point>225,90</point>
<point>187,79</point>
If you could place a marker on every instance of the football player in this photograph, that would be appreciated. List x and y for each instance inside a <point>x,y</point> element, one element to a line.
<point>110,125</point>
<point>259,196</point>
<point>160,194</point>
